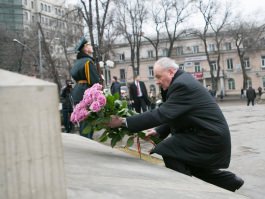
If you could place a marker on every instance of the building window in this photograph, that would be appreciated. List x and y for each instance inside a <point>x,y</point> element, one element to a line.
<point>49,8</point>
<point>32,19</point>
<point>197,67</point>
<point>165,52</point>
<point>122,57</point>
<point>25,2</point>
<point>249,83</point>
<point>229,63</point>
<point>41,5</point>
<point>151,71</point>
<point>246,62</point>
<point>26,16</point>
<point>231,84</point>
<point>228,46</point>
<point>211,47</point>
<point>150,53</point>
<point>213,65</point>
<point>32,4</point>
<point>195,49</point>
<point>179,50</point>
<point>262,61</point>
<point>122,74</point>
<point>181,66</point>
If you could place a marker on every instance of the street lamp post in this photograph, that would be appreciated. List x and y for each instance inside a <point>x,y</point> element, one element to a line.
<point>38,62</point>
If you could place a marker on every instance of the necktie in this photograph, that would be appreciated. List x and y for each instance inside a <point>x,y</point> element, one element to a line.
<point>138,89</point>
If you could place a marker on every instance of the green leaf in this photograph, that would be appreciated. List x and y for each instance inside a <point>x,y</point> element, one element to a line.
<point>115,139</point>
<point>155,139</point>
<point>103,137</point>
<point>141,134</point>
<point>116,96</point>
<point>87,130</point>
<point>130,141</point>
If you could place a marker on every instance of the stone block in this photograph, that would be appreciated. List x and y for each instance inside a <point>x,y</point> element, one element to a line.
<point>31,153</point>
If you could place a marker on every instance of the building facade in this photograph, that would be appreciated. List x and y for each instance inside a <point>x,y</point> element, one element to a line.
<point>61,25</point>
<point>11,15</point>
<point>189,53</point>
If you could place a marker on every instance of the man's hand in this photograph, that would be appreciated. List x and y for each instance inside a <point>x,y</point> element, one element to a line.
<point>115,122</point>
<point>149,133</point>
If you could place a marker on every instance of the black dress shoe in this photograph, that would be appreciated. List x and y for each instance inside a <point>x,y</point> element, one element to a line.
<point>239,183</point>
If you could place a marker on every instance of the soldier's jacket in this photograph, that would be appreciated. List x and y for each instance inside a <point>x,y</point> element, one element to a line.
<point>84,69</point>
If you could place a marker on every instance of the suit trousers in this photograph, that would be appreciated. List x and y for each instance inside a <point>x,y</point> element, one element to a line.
<point>140,104</point>
<point>224,179</point>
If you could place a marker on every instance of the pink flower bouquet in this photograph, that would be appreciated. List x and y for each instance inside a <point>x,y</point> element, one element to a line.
<point>95,110</point>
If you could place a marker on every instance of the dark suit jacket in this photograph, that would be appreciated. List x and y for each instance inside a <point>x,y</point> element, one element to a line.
<point>199,132</point>
<point>133,92</point>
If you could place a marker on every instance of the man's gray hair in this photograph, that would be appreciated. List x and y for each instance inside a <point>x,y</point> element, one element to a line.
<point>166,62</point>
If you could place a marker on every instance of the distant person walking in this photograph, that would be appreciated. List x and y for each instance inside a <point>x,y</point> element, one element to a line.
<point>212,92</point>
<point>251,95</point>
<point>115,86</point>
<point>260,91</point>
<point>66,99</point>
<point>242,94</point>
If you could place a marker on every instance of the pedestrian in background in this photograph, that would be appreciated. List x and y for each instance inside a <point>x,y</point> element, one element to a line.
<point>138,95</point>
<point>152,98</point>
<point>115,86</point>
<point>200,143</point>
<point>67,106</point>
<point>251,96</point>
<point>242,95</point>
<point>260,91</point>
<point>212,93</point>
<point>85,73</point>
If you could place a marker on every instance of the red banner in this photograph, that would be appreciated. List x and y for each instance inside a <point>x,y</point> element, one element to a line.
<point>197,75</point>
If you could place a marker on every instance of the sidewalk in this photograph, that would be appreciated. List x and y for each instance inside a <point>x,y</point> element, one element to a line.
<point>247,126</point>
<point>94,170</point>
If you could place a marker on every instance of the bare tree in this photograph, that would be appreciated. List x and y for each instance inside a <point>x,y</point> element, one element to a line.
<point>97,16</point>
<point>158,21</point>
<point>14,56</point>
<point>213,27</point>
<point>175,12</point>
<point>131,16</point>
<point>247,37</point>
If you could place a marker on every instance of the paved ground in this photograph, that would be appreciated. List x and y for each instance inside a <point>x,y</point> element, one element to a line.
<point>94,170</point>
<point>247,125</point>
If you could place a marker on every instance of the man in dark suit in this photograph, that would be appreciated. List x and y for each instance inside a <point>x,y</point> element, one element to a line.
<point>200,143</point>
<point>251,96</point>
<point>139,96</point>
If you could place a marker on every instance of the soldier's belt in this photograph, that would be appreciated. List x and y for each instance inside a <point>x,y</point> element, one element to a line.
<point>82,82</point>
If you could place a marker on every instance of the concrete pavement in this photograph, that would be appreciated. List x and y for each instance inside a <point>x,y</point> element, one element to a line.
<point>95,170</point>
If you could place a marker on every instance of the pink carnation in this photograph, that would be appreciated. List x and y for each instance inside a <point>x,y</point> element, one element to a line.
<point>97,86</point>
<point>80,115</point>
<point>102,100</point>
<point>95,106</point>
<point>87,100</point>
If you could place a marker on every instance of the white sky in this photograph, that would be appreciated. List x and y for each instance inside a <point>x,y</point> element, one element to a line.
<point>249,6</point>
<point>253,10</point>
